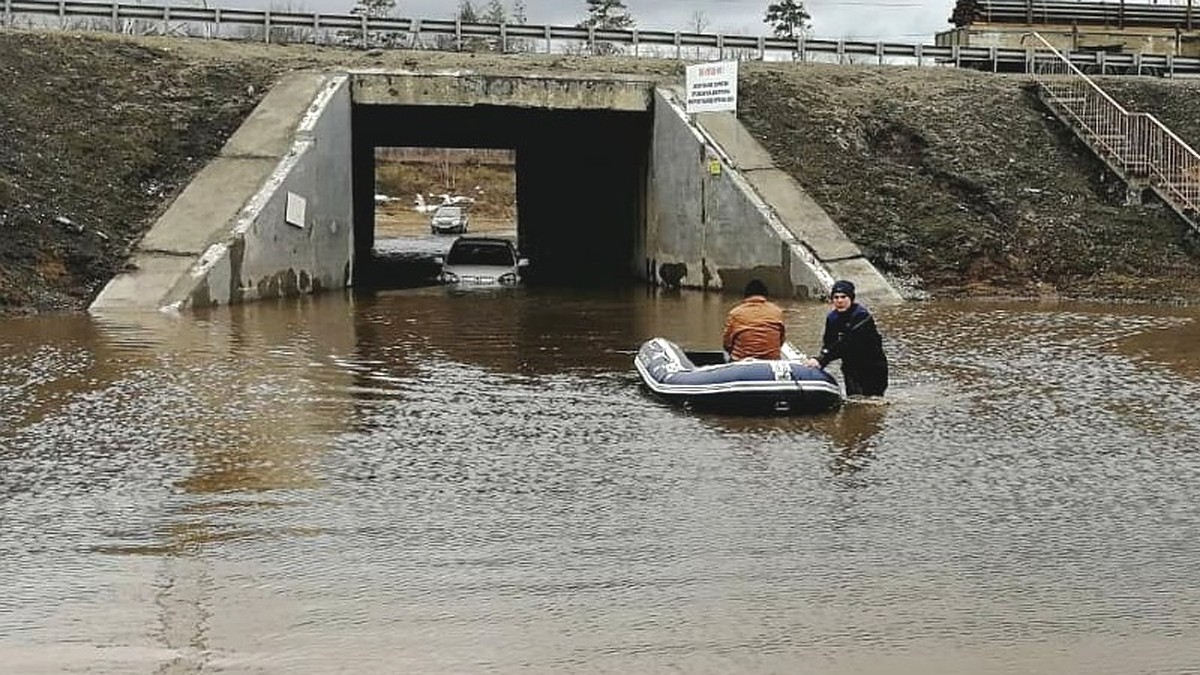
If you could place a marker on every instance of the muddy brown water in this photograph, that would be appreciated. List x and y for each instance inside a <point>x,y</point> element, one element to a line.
<point>434,481</point>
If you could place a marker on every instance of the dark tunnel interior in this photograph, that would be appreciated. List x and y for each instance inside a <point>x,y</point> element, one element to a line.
<point>580,181</point>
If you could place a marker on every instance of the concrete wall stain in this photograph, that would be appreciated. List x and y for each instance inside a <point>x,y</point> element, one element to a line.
<point>778,285</point>
<point>268,287</point>
<point>237,255</point>
<point>672,274</point>
<point>202,296</point>
<point>290,283</point>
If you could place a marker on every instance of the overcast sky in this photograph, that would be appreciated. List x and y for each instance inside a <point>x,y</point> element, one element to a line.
<point>900,20</point>
<point>893,20</point>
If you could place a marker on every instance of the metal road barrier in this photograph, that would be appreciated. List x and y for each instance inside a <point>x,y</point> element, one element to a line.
<point>383,32</point>
<point>1048,12</point>
<point>1147,152</point>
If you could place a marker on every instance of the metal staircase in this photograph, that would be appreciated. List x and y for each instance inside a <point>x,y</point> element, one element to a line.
<point>1143,152</point>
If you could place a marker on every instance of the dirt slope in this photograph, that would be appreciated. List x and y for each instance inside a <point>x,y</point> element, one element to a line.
<point>94,137</point>
<point>962,182</point>
<point>955,182</point>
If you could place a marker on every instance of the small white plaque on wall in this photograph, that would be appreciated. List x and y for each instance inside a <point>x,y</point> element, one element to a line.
<point>296,206</point>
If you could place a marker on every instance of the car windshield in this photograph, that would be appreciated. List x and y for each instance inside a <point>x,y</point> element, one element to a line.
<point>449,211</point>
<point>480,253</point>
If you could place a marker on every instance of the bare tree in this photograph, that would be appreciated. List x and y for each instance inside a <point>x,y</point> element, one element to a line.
<point>697,23</point>
<point>519,17</point>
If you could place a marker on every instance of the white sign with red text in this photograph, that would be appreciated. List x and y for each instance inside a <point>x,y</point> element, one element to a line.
<point>712,87</point>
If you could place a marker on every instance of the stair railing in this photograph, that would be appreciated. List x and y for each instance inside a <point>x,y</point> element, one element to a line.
<point>1141,145</point>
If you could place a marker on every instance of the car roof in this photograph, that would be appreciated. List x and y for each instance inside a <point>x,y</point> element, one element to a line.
<point>481,252</point>
<point>483,240</point>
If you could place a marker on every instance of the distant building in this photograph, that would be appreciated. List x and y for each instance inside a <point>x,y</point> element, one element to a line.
<point>1131,27</point>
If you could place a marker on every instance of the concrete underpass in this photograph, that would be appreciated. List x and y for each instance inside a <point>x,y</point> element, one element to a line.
<point>615,183</point>
<point>581,177</point>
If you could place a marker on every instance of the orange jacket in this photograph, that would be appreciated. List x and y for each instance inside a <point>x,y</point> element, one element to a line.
<point>754,329</point>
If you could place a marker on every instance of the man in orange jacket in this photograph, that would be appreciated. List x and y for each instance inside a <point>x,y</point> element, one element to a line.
<point>754,327</point>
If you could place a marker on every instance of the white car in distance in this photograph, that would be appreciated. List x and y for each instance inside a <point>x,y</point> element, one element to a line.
<point>449,219</point>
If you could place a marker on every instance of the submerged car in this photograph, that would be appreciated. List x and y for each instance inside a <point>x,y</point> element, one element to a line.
<point>482,261</point>
<point>448,219</point>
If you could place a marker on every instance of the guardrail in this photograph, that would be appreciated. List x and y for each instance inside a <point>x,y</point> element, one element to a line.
<point>1145,149</point>
<point>1045,12</point>
<point>365,31</point>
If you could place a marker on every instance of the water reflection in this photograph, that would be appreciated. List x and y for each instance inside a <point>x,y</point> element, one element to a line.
<point>850,435</point>
<point>855,435</point>
<point>529,331</point>
<point>1172,342</point>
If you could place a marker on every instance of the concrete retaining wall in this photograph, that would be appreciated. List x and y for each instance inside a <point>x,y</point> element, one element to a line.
<point>702,231</point>
<point>527,90</point>
<point>270,216</point>
<point>720,213</point>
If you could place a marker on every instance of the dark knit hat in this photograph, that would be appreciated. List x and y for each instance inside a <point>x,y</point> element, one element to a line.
<point>842,286</point>
<point>755,287</point>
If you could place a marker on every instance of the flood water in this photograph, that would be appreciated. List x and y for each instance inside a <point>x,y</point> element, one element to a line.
<point>430,481</point>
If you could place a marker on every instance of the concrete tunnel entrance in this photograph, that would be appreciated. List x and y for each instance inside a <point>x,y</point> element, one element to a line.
<point>580,181</point>
<point>614,183</point>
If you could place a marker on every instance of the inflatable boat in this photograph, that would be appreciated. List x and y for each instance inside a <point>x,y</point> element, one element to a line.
<point>704,380</point>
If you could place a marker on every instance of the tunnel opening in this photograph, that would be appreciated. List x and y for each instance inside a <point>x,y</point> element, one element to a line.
<point>426,197</point>
<point>579,179</point>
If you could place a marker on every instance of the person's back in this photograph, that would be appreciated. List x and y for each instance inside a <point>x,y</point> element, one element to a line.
<point>754,327</point>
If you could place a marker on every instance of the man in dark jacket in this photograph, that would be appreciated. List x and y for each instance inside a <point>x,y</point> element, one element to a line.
<point>851,335</point>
